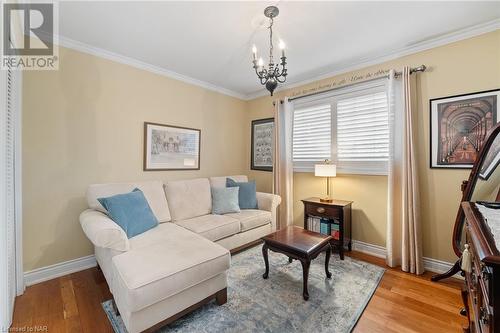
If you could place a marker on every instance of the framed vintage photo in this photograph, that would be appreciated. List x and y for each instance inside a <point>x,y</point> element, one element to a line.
<point>169,147</point>
<point>459,125</point>
<point>262,144</point>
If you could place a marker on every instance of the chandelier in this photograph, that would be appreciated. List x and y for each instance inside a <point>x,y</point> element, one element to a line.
<point>273,74</point>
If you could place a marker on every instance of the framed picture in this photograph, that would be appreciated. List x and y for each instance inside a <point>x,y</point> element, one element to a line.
<point>459,125</point>
<point>171,147</point>
<point>262,144</point>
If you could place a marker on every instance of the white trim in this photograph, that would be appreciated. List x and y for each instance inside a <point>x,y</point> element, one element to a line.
<point>18,184</point>
<point>63,268</point>
<point>448,38</point>
<point>371,249</point>
<point>98,52</point>
<point>6,309</point>
<point>430,264</point>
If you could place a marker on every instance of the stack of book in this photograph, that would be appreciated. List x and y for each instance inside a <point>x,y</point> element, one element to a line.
<point>323,226</point>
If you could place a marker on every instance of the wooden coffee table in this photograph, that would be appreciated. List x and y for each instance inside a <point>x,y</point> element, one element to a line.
<point>300,244</point>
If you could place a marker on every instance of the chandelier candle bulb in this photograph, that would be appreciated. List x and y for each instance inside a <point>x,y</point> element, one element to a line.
<point>282,47</point>
<point>254,51</point>
<point>261,64</point>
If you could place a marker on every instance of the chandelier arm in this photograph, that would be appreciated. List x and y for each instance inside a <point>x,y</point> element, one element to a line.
<point>277,72</point>
<point>281,80</point>
<point>261,74</point>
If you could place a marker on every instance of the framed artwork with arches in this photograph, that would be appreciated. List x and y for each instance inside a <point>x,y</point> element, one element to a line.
<point>458,127</point>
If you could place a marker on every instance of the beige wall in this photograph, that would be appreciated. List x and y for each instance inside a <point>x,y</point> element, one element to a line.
<point>462,67</point>
<point>83,124</point>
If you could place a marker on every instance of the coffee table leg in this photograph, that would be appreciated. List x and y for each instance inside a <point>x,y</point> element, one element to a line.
<point>327,261</point>
<point>290,260</point>
<point>305,276</point>
<point>266,260</point>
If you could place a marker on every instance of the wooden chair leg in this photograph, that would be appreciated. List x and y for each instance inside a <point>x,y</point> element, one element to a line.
<point>221,297</point>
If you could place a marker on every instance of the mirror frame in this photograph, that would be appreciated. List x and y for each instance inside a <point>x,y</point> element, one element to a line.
<point>468,187</point>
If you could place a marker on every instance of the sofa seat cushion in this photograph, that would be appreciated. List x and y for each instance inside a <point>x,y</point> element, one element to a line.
<point>212,227</point>
<point>251,218</point>
<point>163,262</point>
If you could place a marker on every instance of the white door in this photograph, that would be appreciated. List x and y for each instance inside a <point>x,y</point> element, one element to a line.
<point>9,119</point>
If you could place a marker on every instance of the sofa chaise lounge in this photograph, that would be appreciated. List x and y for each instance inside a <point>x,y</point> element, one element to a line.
<point>167,271</point>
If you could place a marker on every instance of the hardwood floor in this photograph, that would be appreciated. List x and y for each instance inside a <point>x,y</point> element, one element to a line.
<point>401,303</point>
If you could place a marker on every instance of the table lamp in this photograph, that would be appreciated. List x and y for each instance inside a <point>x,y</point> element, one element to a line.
<point>327,170</point>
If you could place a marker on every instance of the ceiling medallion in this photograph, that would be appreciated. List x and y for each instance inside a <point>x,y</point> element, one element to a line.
<point>273,74</point>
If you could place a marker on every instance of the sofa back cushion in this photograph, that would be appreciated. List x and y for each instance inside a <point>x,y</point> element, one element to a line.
<point>221,181</point>
<point>153,191</point>
<point>188,198</point>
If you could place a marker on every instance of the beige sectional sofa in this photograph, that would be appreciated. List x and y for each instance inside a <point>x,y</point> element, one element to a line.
<point>167,271</point>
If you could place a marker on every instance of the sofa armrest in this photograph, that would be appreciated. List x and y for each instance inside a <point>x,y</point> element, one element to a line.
<point>269,202</point>
<point>102,231</point>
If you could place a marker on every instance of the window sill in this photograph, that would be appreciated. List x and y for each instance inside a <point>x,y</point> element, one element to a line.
<point>347,171</point>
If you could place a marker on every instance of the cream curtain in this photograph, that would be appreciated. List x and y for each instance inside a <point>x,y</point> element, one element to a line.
<point>282,164</point>
<point>404,243</point>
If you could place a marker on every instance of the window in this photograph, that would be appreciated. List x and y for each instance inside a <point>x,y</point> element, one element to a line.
<point>312,134</point>
<point>348,126</point>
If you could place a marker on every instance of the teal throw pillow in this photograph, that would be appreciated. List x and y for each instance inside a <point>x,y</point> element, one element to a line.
<point>247,195</point>
<point>130,211</point>
<point>225,200</point>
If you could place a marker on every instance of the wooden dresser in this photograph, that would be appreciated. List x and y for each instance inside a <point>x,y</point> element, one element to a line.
<point>482,294</point>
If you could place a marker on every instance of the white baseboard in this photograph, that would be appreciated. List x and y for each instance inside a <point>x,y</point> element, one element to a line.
<point>371,249</point>
<point>53,271</point>
<point>430,264</point>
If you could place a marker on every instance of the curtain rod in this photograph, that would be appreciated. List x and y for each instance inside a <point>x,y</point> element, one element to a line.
<point>420,68</point>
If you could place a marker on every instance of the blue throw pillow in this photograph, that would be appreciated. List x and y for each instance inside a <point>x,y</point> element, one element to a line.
<point>247,195</point>
<point>225,200</point>
<point>130,211</point>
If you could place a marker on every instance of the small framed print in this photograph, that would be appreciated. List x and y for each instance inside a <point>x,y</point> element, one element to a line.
<point>262,144</point>
<point>459,125</point>
<point>169,147</point>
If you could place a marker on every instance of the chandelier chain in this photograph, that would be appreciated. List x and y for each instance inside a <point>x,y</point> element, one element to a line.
<point>271,58</point>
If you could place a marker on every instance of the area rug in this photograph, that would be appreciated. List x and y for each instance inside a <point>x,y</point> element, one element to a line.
<point>276,304</point>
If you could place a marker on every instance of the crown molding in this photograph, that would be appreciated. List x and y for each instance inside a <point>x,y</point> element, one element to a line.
<point>431,43</point>
<point>343,68</point>
<point>102,53</point>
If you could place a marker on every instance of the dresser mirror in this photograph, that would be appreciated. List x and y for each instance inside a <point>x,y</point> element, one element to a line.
<point>483,185</point>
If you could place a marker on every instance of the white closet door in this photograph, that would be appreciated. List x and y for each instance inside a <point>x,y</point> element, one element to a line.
<point>7,198</point>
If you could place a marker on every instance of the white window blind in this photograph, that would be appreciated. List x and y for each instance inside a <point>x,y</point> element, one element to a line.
<point>349,126</point>
<point>312,134</point>
<point>363,128</point>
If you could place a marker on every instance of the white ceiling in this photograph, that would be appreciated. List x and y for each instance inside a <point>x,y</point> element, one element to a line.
<point>211,41</point>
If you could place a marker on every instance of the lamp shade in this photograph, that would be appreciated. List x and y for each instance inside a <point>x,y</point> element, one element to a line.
<point>325,170</point>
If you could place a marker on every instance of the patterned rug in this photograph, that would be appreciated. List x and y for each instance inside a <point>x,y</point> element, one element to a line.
<point>276,304</point>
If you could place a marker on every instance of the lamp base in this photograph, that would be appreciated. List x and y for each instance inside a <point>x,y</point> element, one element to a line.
<point>326,199</point>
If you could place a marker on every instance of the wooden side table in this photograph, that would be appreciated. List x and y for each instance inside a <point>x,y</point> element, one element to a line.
<point>337,212</point>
